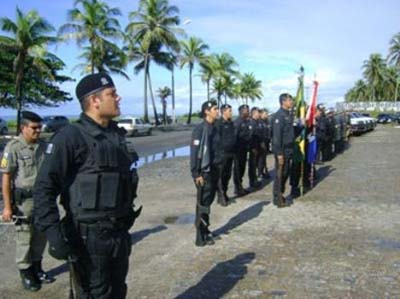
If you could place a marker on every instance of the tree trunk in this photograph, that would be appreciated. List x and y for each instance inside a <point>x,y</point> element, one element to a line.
<point>146,112</point>
<point>157,122</point>
<point>173,95</point>
<point>208,90</point>
<point>164,103</point>
<point>190,95</point>
<point>19,70</point>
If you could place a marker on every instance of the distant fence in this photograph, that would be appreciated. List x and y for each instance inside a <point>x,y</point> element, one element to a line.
<point>369,106</point>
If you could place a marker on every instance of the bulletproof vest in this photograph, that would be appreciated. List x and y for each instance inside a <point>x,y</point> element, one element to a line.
<point>103,185</point>
<point>227,135</point>
<point>245,130</point>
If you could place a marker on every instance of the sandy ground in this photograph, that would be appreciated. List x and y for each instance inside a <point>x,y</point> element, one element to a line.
<point>340,240</point>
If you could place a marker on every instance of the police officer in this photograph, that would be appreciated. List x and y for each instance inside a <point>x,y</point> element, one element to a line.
<point>265,142</point>
<point>21,160</point>
<point>89,165</point>
<point>243,131</point>
<point>282,147</point>
<point>255,146</point>
<point>320,129</point>
<point>205,163</point>
<point>226,131</point>
<point>330,136</point>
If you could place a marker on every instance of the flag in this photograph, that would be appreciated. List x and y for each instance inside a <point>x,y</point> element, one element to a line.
<point>313,106</point>
<point>300,145</point>
<point>312,140</point>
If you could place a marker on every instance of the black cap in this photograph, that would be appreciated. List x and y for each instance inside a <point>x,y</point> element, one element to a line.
<point>31,116</point>
<point>241,107</point>
<point>93,83</point>
<point>225,106</point>
<point>206,106</point>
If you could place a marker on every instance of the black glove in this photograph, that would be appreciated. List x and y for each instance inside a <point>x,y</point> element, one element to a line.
<point>58,245</point>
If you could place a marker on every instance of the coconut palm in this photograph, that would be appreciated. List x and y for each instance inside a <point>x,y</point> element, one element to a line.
<point>164,93</point>
<point>360,91</point>
<point>192,51</point>
<point>374,73</point>
<point>250,88</point>
<point>208,68</point>
<point>172,62</point>
<point>144,57</point>
<point>95,23</point>
<point>26,35</point>
<point>394,51</point>
<point>155,22</point>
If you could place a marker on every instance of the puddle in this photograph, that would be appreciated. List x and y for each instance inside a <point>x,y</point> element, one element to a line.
<point>388,244</point>
<point>181,219</point>
<point>183,151</point>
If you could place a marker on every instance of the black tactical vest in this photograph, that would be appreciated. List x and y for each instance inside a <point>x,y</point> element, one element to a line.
<point>103,187</point>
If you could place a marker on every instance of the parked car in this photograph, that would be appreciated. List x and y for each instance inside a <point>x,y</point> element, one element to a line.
<point>3,127</point>
<point>360,123</point>
<point>54,123</point>
<point>384,118</point>
<point>135,126</point>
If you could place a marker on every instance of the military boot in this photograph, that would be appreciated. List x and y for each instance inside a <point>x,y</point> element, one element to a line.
<point>222,199</point>
<point>29,280</point>
<point>41,275</point>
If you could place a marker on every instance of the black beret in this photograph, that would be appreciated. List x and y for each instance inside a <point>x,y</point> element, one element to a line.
<point>93,83</point>
<point>244,106</point>
<point>31,116</point>
<point>225,106</point>
<point>206,106</point>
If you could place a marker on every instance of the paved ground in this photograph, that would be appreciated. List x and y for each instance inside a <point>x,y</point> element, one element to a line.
<point>341,240</point>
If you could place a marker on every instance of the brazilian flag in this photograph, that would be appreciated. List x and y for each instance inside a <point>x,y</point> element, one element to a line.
<point>300,115</point>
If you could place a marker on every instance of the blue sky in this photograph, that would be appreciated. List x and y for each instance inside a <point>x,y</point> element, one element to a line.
<point>270,38</point>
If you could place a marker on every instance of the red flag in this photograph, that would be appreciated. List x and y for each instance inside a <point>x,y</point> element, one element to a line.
<point>310,117</point>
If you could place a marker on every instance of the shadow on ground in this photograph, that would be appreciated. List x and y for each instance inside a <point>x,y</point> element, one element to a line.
<point>135,237</point>
<point>220,279</point>
<point>241,218</point>
<point>140,235</point>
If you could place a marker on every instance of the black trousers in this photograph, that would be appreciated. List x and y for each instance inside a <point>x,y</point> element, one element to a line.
<point>226,172</point>
<point>239,168</point>
<point>262,162</point>
<point>295,174</point>
<point>102,262</point>
<point>205,197</point>
<point>253,165</point>
<point>281,175</point>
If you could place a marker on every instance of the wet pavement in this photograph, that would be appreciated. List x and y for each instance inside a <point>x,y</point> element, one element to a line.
<point>341,240</point>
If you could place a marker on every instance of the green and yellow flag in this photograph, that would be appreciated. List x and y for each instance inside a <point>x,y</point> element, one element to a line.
<point>300,115</point>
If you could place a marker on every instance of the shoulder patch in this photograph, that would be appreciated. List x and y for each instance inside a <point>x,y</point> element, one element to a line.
<point>4,161</point>
<point>196,142</point>
<point>277,121</point>
<point>50,148</point>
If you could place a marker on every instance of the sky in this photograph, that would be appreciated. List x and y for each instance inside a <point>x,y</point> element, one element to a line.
<point>270,38</point>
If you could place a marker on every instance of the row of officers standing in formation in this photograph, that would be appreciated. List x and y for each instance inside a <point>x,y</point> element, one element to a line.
<point>87,169</point>
<point>221,146</point>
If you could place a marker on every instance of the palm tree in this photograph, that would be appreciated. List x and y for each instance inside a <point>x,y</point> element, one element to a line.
<point>192,52</point>
<point>164,93</point>
<point>27,34</point>
<point>155,22</point>
<point>145,57</point>
<point>173,60</point>
<point>250,88</point>
<point>95,24</point>
<point>374,73</point>
<point>208,69</point>
<point>224,71</point>
<point>394,51</point>
<point>360,91</point>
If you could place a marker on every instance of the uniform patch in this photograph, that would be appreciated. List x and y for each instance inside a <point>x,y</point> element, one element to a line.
<point>196,142</point>
<point>277,121</point>
<point>4,161</point>
<point>50,148</point>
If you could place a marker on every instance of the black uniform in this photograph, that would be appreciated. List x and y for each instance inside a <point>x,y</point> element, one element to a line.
<point>255,149</point>
<point>205,161</point>
<point>320,130</point>
<point>244,131</point>
<point>264,148</point>
<point>282,145</point>
<point>327,154</point>
<point>92,170</point>
<point>227,135</point>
